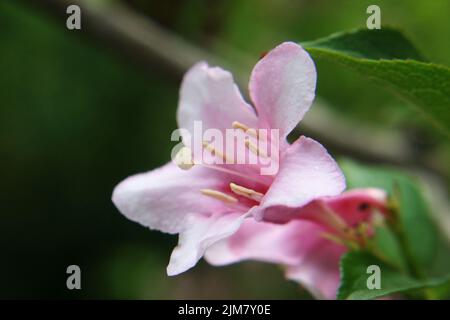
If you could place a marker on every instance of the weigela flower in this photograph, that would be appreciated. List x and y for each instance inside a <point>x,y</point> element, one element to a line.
<point>210,202</point>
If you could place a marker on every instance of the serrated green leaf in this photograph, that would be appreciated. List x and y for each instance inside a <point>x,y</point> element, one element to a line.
<point>354,277</point>
<point>388,58</point>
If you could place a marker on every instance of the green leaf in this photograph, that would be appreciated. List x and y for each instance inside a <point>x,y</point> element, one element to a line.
<point>354,278</point>
<point>419,229</point>
<point>388,58</point>
<point>385,240</point>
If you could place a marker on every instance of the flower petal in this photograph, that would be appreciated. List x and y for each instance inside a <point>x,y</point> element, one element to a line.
<point>319,272</point>
<point>282,87</point>
<point>264,241</point>
<point>160,199</point>
<point>309,258</point>
<point>306,172</point>
<point>211,96</point>
<point>354,206</point>
<point>199,233</point>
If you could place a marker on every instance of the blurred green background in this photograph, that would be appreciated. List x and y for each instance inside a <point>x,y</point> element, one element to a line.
<point>77,117</point>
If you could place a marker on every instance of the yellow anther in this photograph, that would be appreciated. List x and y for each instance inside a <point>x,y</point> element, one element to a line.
<point>245,192</point>
<point>219,195</point>
<point>183,159</point>
<point>216,152</point>
<point>250,131</point>
<point>253,148</point>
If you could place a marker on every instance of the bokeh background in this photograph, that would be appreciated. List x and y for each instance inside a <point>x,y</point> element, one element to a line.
<point>79,112</point>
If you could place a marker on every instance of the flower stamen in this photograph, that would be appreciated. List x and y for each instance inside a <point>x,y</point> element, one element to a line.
<point>254,148</point>
<point>245,192</point>
<point>250,131</point>
<point>217,153</point>
<point>184,160</point>
<point>219,195</point>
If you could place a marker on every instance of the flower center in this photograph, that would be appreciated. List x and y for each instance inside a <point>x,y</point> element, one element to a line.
<point>236,193</point>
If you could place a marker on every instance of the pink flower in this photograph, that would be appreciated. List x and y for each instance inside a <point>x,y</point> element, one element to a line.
<point>209,203</point>
<point>310,247</point>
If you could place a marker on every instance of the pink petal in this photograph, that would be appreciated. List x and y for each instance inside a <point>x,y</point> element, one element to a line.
<point>199,233</point>
<point>268,242</point>
<point>306,172</point>
<point>282,87</point>
<point>160,199</point>
<point>211,96</point>
<point>320,271</point>
<point>354,206</point>
<point>310,259</point>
